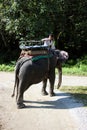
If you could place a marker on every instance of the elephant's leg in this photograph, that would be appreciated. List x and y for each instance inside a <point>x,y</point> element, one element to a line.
<point>20,96</point>
<point>52,80</point>
<point>44,92</point>
<point>20,101</point>
<point>51,92</point>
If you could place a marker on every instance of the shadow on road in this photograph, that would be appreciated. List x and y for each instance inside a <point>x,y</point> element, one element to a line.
<point>64,101</point>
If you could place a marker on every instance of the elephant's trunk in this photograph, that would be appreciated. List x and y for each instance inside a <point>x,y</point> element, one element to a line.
<point>59,75</point>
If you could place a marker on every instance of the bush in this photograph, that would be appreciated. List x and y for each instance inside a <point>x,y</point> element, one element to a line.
<point>7,67</point>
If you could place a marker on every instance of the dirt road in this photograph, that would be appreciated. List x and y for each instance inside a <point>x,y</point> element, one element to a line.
<point>42,112</point>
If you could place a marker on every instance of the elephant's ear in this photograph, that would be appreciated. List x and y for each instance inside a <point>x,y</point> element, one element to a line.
<point>62,56</point>
<point>57,52</point>
<point>59,55</point>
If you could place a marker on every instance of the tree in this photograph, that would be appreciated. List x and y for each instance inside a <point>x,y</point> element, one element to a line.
<point>35,19</point>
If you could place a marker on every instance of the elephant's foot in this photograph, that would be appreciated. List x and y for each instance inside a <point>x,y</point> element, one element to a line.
<point>20,105</point>
<point>52,94</point>
<point>44,93</point>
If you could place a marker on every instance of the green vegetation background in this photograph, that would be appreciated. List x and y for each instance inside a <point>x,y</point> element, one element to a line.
<point>33,20</point>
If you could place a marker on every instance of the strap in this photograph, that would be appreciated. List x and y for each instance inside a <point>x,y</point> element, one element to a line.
<point>41,57</point>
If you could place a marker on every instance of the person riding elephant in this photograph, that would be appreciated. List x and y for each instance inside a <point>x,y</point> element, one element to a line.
<point>49,41</point>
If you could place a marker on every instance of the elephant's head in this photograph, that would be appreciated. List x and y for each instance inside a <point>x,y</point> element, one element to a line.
<point>62,56</point>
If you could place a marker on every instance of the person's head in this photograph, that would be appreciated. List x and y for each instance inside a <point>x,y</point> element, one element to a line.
<point>51,37</point>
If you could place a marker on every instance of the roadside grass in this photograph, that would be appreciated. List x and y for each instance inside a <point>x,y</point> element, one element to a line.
<point>75,70</point>
<point>78,67</point>
<point>78,92</point>
<point>71,67</point>
<point>7,67</point>
<point>67,68</point>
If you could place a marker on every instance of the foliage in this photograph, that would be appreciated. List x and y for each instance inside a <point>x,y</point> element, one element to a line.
<point>8,67</point>
<point>34,19</point>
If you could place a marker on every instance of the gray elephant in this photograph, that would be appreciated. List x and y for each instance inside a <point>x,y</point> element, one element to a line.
<point>34,70</point>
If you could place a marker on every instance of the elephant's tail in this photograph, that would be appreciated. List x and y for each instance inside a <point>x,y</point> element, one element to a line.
<point>16,83</point>
<point>13,94</point>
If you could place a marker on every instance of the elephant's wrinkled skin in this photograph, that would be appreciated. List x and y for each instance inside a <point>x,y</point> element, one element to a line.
<point>30,72</point>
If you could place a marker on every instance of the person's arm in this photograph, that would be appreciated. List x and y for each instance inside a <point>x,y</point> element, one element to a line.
<point>45,39</point>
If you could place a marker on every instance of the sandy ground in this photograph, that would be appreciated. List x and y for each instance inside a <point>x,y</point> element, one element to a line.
<point>42,112</point>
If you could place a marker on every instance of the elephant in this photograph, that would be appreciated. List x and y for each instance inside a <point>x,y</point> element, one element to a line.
<point>33,70</point>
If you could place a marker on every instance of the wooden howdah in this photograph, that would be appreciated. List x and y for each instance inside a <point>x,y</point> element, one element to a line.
<point>33,50</point>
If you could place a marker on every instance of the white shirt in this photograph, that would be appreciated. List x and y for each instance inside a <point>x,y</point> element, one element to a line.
<point>49,43</point>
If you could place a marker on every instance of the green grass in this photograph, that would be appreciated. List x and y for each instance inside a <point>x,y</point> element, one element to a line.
<point>67,69</point>
<point>8,67</point>
<point>71,67</point>
<point>74,70</point>
<point>78,92</point>
<point>78,67</point>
